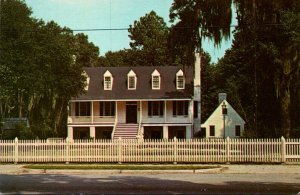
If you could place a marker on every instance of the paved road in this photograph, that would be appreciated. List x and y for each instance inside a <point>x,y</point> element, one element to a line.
<point>184,183</point>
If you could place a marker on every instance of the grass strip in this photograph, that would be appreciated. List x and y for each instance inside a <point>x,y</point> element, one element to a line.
<point>121,167</point>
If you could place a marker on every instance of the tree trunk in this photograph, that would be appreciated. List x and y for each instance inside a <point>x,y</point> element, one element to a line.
<point>285,102</point>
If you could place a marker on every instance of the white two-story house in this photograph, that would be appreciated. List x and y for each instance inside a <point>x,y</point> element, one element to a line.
<point>137,102</point>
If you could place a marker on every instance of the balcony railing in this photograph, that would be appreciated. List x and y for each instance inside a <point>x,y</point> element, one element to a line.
<point>90,119</point>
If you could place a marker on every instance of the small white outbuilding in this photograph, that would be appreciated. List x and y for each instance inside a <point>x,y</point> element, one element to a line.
<point>224,122</point>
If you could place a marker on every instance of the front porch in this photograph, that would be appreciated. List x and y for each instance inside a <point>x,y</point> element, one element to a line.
<point>157,131</point>
<point>172,118</point>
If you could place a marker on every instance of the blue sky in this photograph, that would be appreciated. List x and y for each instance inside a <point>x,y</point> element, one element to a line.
<point>107,14</point>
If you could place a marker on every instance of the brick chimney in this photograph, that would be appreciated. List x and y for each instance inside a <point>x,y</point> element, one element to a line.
<point>222,97</point>
<point>197,92</point>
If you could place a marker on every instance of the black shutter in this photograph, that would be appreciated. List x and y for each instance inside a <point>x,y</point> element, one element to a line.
<point>161,107</point>
<point>149,108</point>
<point>101,108</point>
<point>174,108</point>
<point>186,107</point>
<point>77,109</point>
<point>88,109</point>
<point>113,108</point>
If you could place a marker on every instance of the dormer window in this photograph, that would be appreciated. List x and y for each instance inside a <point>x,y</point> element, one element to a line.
<point>87,80</point>
<point>155,80</point>
<point>131,80</point>
<point>180,81</point>
<point>108,81</point>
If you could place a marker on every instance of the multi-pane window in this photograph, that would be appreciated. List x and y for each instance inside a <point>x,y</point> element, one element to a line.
<point>86,83</point>
<point>180,82</point>
<point>87,80</point>
<point>107,108</point>
<point>212,130</point>
<point>155,79</point>
<point>131,82</point>
<point>156,108</point>
<point>107,83</point>
<point>82,108</point>
<point>155,82</point>
<point>237,130</point>
<point>180,108</point>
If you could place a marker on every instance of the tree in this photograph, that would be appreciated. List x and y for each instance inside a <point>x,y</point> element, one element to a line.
<point>149,38</point>
<point>87,54</point>
<point>196,20</point>
<point>125,57</point>
<point>40,68</point>
<point>274,46</point>
<point>273,53</point>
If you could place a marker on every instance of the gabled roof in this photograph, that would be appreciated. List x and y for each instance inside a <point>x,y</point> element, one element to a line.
<point>143,88</point>
<point>217,114</point>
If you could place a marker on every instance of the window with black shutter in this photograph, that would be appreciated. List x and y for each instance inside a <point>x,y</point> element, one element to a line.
<point>180,108</point>
<point>82,108</point>
<point>155,108</point>
<point>107,108</point>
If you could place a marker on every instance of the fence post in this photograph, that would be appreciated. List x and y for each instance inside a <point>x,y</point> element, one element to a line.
<point>120,150</point>
<point>68,142</point>
<point>16,150</point>
<point>283,150</point>
<point>228,150</point>
<point>175,151</point>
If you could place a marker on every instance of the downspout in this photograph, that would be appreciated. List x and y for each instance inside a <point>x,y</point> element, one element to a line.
<point>140,135</point>
<point>116,121</point>
<point>197,91</point>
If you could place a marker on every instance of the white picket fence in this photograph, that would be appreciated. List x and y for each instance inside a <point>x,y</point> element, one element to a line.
<point>182,151</point>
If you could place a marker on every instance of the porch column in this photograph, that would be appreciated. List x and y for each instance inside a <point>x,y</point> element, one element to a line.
<point>141,112</point>
<point>188,132</point>
<point>165,132</point>
<point>191,110</point>
<point>165,111</point>
<point>92,114</point>
<point>116,112</point>
<point>70,132</point>
<point>92,132</point>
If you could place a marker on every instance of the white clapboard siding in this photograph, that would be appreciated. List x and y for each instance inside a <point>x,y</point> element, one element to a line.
<point>148,151</point>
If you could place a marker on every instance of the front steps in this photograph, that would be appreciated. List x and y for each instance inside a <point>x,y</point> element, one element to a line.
<point>126,131</point>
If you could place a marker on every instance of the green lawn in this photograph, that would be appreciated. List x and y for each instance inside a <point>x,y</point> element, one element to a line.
<point>120,167</point>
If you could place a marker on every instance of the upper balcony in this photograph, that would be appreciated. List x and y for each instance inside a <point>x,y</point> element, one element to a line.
<point>146,112</point>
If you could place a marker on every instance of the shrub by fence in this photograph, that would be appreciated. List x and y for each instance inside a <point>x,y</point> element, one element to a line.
<point>139,150</point>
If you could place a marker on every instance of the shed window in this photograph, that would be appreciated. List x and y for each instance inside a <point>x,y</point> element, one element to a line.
<point>212,130</point>
<point>237,130</point>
